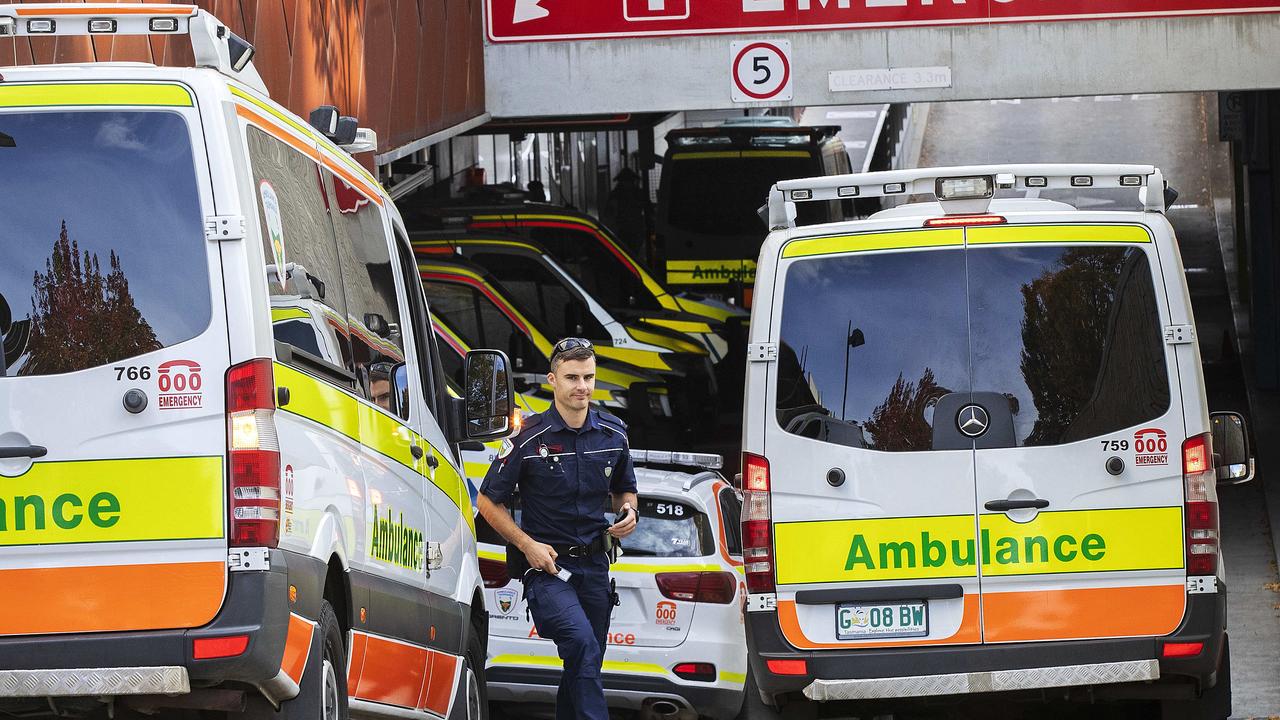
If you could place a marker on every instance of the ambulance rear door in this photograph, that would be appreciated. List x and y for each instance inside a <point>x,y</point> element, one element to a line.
<point>871,486</point>
<point>112,426</point>
<point>1079,472</point>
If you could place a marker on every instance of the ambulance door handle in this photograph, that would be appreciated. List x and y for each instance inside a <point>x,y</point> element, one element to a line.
<point>416,451</point>
<point>432,461</point>
<point>1007,505</point>
<point>28,451</point>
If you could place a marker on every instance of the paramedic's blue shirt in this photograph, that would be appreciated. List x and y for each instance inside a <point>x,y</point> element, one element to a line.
<point>564,475</point>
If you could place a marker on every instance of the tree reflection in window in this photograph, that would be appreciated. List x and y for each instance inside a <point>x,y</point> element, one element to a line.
<point>80,317</point>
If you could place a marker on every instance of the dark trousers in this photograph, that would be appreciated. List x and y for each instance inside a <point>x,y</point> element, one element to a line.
<point>575,616</point>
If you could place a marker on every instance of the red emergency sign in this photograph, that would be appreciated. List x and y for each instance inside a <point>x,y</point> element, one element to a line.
<point>549,20</point>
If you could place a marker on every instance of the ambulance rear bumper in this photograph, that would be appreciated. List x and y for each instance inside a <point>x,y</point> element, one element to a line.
<point>967,669</point>
<point>157,662</point>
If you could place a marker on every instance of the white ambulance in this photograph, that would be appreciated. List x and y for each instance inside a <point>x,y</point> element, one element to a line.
<point>977,453</point>
<point>229,469</point>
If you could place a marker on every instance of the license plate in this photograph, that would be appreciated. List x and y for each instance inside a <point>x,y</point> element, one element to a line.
<point>881,620</point>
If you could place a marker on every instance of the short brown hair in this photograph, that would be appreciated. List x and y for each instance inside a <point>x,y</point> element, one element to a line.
<point>578,353</point>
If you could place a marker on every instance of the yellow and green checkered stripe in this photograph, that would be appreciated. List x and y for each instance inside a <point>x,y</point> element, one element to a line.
<point>339,411</point>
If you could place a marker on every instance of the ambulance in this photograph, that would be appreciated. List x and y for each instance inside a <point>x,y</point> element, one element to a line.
<point>977,453</point>
<point>229,464</point>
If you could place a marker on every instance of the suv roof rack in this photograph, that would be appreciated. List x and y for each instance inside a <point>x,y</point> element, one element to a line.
<point>212,43</point>
<point>964,190</point>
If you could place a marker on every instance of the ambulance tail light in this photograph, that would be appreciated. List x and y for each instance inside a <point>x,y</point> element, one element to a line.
<point>757,524</point>
<point>494,573</point>
<point>253,455</point>
<point>1200,478</point>
<point>705,587</point>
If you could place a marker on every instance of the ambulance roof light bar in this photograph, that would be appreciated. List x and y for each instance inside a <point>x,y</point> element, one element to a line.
<point>212,43</point>
<point>965,190</point>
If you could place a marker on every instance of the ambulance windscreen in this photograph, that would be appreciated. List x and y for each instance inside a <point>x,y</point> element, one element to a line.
<point>102,249</point>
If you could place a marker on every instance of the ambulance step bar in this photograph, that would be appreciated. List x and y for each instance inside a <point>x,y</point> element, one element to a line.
<point>212,43</point>
<point>964,190</point>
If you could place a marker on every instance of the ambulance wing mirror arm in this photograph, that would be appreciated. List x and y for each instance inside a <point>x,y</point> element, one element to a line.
<point>488,395</point>
<point>1233,453</point>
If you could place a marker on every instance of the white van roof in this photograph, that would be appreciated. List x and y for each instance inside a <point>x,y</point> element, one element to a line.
<point>998,206</point>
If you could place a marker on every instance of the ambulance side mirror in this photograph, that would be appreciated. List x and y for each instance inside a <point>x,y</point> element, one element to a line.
<point>488,395</point>
<point>1233,457</point>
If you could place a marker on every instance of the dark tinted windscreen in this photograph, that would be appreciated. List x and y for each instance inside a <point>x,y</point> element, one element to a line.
<point>102,250</point>
<point>890,328</point>
<point>720,196</point>
<point>606,276</point>
<point>1074,334</point>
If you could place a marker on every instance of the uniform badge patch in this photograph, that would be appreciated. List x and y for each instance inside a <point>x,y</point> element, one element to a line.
<point>608,470</point>
<point>506,448</point>
<point>506,600</point>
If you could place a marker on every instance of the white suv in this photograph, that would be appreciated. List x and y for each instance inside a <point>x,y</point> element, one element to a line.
<point>683,564</point>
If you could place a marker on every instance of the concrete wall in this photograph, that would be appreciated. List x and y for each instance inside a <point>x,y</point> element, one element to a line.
<point>987,61</point>
<point>406,68</point>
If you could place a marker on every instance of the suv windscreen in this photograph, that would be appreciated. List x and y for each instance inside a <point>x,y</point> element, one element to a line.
<point>870,343</point>
<point>540,292</point>
<point>102,249</point>
<point>481,324</point>
<point>602,273</point>
<point>720,196</point>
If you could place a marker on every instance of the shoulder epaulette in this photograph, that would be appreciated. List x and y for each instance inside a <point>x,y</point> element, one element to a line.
<point>612,420</point>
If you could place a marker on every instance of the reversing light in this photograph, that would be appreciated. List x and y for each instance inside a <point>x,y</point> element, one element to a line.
<point>894,188</point>
<point>848,191</point>
<point>1081,181</point>
<point>1131,180</point>
<point>801,194</point>
<point>964,221</point>
<point>965,188</point>
<point>102,25</point>
<point>1037,181</point>
<point>41,27</point>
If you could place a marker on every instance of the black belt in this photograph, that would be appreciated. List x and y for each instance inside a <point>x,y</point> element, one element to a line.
<point>595,547</point>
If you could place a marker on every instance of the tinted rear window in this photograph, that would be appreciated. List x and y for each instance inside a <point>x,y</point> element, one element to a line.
<point>102,249</point>
<point>669,529</point>
<point>1071,335</point>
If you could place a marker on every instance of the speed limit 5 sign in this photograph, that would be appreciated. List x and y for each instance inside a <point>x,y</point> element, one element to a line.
<point>760,70</point>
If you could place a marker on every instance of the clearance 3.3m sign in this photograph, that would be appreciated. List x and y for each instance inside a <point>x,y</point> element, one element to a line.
<point>549,20</point>
<point>946,546</point>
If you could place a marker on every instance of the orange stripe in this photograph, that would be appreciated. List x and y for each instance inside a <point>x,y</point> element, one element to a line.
<point>297,646</point>
<point>188,10</point>
<point>358,643</point>
<point>310,151</point>
<point>1087,613</point>
<point>968,633</point>
<point>110,598</point>
<point>393,672</point>
<point>438,693</point>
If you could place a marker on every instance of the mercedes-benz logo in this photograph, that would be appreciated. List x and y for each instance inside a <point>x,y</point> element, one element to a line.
<point>972,420</point>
